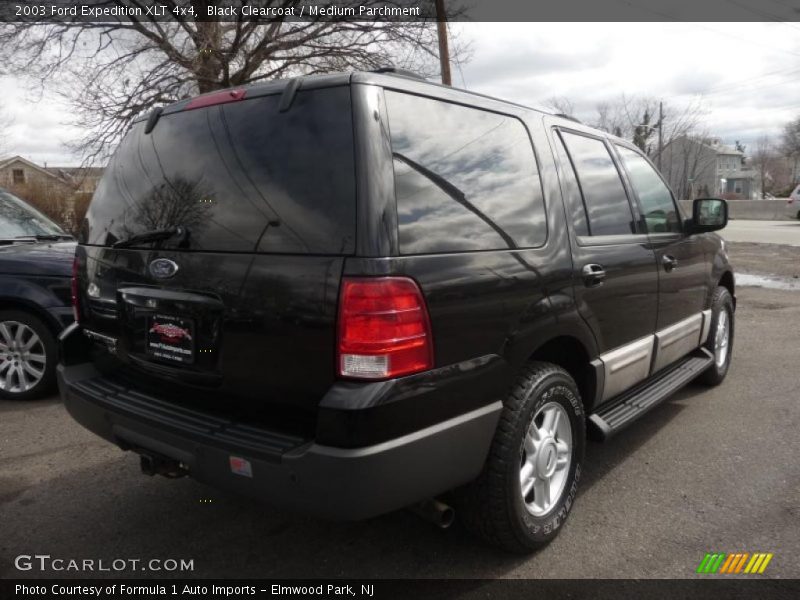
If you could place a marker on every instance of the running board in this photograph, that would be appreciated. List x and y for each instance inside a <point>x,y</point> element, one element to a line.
<point>629,406</point>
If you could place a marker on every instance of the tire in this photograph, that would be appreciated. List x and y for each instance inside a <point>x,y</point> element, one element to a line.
<point>493,507</point>
<point>721,303</point>
<point>12,386</point>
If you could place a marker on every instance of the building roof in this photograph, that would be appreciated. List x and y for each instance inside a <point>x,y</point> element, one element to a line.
<point>67,175</point>
<point>31,165</point>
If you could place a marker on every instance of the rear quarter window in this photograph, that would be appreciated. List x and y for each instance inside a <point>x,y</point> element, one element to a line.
<point>465,179</point>
<point>242,177</point>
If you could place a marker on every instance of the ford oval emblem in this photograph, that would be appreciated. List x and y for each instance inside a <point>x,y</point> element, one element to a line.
<point>163,268</point>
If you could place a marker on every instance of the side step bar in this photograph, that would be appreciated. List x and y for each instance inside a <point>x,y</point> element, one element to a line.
<point>629,406</point>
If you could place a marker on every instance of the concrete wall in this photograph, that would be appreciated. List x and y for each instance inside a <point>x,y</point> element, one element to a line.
<point>762,210</point>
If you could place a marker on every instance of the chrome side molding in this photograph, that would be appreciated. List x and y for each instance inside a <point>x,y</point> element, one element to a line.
<point>626,366</point>
<point>706,326</point>
<point>676,341</point>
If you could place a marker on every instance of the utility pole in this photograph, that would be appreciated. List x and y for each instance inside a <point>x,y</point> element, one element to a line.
<point>444,51</point>
<point>660,132</point>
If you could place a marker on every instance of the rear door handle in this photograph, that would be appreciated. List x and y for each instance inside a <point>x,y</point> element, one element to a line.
<point>670,262</point>
<point>593,275</point>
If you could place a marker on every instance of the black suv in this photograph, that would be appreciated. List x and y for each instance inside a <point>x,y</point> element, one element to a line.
<point>36,258</point>
<point>352,293</point>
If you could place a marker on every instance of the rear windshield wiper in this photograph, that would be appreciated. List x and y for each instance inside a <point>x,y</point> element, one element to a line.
<point>156,235</point>
<point>32,239</point>
<point>456,194</point>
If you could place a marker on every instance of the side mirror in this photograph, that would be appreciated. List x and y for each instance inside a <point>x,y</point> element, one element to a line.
<point>708,214</point>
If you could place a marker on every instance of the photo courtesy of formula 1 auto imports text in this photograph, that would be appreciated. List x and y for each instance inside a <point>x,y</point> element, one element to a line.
<point>375,299</point>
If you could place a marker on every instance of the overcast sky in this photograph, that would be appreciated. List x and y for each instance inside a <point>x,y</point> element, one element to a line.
<point>748,75</point>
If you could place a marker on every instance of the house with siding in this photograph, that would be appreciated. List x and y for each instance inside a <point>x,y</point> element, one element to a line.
<point>697,167</point>
<point>53,190</point>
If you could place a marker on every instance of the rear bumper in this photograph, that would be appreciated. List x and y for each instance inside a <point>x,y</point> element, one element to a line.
<point>316,479</point>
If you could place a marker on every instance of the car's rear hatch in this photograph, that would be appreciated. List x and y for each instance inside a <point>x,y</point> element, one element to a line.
<point>237,308</point>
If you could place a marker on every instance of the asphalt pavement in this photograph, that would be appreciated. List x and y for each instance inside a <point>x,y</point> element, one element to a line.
<point>710,470</point>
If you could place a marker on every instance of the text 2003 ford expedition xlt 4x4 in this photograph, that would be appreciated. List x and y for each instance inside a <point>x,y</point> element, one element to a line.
<point>352,293</point>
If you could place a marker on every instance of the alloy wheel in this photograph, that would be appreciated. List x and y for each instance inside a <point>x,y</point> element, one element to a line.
<point>722,338</point>
<point>22,357</point>
<point>546,457</point>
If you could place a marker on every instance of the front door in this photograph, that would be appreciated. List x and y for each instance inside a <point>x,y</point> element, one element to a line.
<point>682,269</point>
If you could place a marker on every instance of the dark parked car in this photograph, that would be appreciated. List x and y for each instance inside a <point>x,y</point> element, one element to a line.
<point>353,293</point>
<point>35,268</point>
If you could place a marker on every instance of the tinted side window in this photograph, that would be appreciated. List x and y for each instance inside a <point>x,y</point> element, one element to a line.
<point>571,189</point>
<point>242,177</point>
<point>465,179</point>
<point>603,193</point>
<point>660,213</point>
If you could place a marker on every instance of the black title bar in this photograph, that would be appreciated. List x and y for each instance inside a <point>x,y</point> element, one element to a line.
<point>399,10</point>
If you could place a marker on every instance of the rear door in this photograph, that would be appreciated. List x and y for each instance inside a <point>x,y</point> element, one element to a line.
<point>614,274</point>
<point>683,271</point>
<point>242,306</point>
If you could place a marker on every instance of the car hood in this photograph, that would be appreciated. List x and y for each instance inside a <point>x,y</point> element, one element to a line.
<point>44,258</point>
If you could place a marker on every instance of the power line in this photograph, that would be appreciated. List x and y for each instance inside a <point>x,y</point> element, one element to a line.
<point>735,87</point>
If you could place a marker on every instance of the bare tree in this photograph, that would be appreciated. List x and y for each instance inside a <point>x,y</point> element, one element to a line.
<point>790,145</point>
<point>5,123</point>
<point>634,118</point>
<point>111,72</point>
<point>763,160</point>
<point>561,105</point>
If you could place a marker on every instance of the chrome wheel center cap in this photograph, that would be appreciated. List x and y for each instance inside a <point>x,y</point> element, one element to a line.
<point>546,458</point>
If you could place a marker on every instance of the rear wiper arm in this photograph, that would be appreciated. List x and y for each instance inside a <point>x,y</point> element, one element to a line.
<point>154,236</point>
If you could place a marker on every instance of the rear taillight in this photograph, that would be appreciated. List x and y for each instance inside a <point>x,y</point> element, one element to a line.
<point>384,329</point>
<point>76,303</point>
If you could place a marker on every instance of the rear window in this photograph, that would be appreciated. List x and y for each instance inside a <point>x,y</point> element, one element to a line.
<point>242,177</point>
<point>465,179</point>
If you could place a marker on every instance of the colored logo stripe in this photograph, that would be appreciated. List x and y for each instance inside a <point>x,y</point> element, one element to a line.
<point>758,563</point>
<point>720,562</point>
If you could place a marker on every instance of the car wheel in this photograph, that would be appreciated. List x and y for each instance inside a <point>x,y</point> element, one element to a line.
<point>27,356</point>
<point>798,215</point>
<point>530,479</point>
<point>720,337</point>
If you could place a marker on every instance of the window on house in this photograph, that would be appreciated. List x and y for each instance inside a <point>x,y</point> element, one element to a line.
<point>18,175</point>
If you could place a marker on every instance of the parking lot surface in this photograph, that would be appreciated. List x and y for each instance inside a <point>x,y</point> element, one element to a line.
<point>710,470</point>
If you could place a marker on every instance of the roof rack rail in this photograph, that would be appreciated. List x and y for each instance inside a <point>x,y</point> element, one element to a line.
<point>398,71</point>
<point>566,116</point>
<point>153,119</point>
